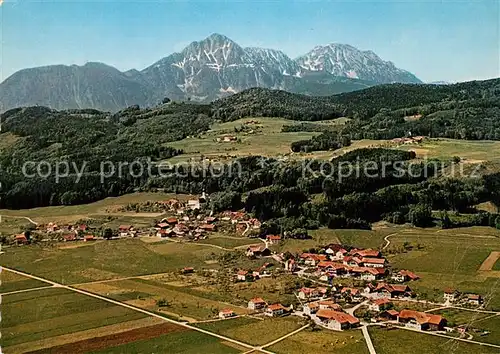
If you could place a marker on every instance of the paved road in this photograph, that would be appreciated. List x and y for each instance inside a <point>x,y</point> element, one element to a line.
<point>244,345</point>
<point>351,310</point>
<point>368,340</point>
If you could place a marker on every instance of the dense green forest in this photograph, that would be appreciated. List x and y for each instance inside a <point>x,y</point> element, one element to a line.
<point>288,195</point>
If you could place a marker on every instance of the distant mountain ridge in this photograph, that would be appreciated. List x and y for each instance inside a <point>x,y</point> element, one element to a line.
<point>205,70</point>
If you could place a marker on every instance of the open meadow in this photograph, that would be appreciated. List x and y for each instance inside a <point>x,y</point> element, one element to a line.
<point>400,341</point>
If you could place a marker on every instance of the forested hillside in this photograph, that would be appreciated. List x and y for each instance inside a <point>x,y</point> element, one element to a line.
<point>87,139</point>
<point>468,110</point>
<point>112,154</point>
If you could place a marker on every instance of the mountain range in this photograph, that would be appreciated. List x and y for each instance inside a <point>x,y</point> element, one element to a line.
<point>204,71</point>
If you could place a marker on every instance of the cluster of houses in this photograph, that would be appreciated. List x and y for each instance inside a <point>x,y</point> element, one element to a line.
<point>327,312</point>
<point>227,139</point>
<point>336,261</point>
<point>273,310</point>
<point>409,140</point>
<point>65,233</point>
<point>456,297</point>
<point>194,227</point>
<point>243,275</point>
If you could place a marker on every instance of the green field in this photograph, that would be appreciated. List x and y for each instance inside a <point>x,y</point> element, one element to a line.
<point>324,236</point>
<point>185,342</point>
<point>181,301</point>
<point>76,212</point>
<point>228,242</point>
<point>399,341</point>
<point>46,313</point>
<point>14,282</point>
<point>322,341</point>
<point>267,140</point>
<point>254,332</point>
<point>106,259</point>
<point>448,258</point>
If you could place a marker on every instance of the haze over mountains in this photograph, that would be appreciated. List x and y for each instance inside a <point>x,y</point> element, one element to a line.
<point>206,70</point>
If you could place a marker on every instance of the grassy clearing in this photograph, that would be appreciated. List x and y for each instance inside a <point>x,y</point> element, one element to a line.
<point>105,260</point>
<point>491,325</point>
<point>266,140</point>
<point>324,236</point>
<point>322,341</point>
<point>228,242</point>
<point>399,341</point>
<point>448,258</point>
<point>47,214</point>
<point>180,302</point>
<point>254,332</point>
<point>47,313</point>
<point>14,282</point>
<point>190,342</point>
<point>457,317</point>
<point>468,151</point>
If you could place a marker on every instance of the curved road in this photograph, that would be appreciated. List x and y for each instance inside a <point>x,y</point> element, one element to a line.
<point>19,217</point>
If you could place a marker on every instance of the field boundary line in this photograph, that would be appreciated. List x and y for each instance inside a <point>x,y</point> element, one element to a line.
<point>27,290</point>
<point>84,292</point>
<point>283,337</point>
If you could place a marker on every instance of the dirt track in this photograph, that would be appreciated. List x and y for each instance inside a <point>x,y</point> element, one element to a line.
<point>489,262</point>
<point>113,340</point>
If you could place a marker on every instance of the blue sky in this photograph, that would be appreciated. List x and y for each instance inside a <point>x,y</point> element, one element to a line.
<point>436,40</point>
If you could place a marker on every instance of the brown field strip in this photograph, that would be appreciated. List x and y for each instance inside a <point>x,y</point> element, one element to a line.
<point>82,335</point>
<point>489,262</point>
<point>113,340</point>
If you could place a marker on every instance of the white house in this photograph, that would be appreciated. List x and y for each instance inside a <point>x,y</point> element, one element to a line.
<point>226,313</point>
<point>257,304</point>
<point>275,310</point>
<point>337,320</point>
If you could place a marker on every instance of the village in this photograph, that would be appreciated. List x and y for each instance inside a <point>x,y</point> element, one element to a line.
<point>347,287</point>
<point>374,292</point>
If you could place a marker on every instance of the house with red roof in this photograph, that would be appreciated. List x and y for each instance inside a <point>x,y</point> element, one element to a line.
<point>308,293</point>
<point>256,303</point>
<point>126,230</point>
<point>337,320</point>
<point>450,295</point>
<point>421,320</point>
<point>368,253</point>
<point>371,274</point>
<point>392,290</point>
<point>312,259</point>
<point>226,313</point>
<point>388,315</point>
<point>474,299</point>
<point>378,305</point>
<point>208,227</point>
<point>273,239</point>
<point>69,237</point>
<point>329,305</point>
<point>275,310</point>
<point>373,262</point>
<point>21,239</point>
<point>257,251</point>
<point>407,275</point>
